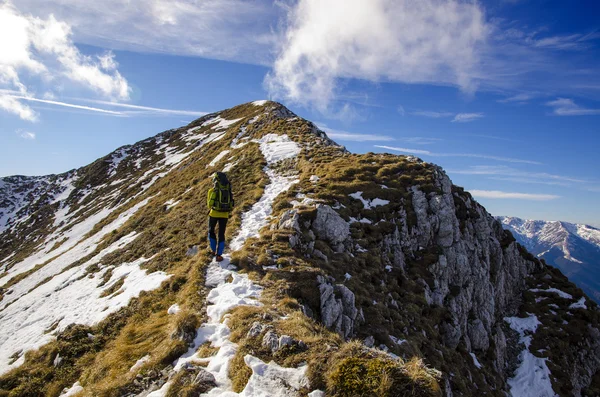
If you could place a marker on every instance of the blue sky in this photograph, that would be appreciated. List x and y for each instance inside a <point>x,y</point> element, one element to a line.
<point>505,95</point>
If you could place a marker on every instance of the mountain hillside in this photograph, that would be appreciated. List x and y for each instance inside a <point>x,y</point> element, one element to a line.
<point>573,248</point>
<point>344,275</point>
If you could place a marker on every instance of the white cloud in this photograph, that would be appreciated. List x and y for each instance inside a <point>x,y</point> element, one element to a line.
<point>470,155</point>
<point>401,110</point>
<point>567,107</point>
<point>34,48</point>
<point>107,61</point>
<point>13,106</point>
<point>496,194</point>
<point>466,117</point>
<point>429,41</point>
<point>30,136</point>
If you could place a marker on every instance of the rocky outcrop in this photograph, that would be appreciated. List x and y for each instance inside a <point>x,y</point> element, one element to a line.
<point>330,226</point>
<point>338,310</point>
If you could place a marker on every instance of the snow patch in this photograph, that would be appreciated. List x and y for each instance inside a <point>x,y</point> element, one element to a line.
<point>580,304</point>
<point>170,204</point>
<point>174,309</point>
<point>262,102</point>
<point>218,158</point>
<point>368,204</point>
<point>257,216</point>
<point>219,123</point>
<point>76,388</point>
<point>277,147</point>
<point>475,360</point>
<point>554,290</point>
<point>532,377</point>
<point>140,363</point>
<point>71,297</point>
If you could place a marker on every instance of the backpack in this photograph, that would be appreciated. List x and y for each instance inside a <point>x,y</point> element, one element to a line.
<point>223,197</point>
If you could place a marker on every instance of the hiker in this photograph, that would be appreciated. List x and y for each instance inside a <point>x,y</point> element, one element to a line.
<point>220,203</point>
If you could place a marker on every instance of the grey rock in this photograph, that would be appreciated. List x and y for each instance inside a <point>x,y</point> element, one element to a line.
<point>369,341</point>
<point>205,380</point>
<point>192,251</point>
<point>329,225</point>
<point>256,329</point>
<point>289,220</point>
<point>271,341</point>
<point>286,340</point>
<point>318,254</point>
<point>478,335</point>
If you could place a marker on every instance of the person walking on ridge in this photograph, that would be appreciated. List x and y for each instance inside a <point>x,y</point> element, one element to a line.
<point>220,202</point>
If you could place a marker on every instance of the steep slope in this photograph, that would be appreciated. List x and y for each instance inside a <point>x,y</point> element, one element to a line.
<point>349,274</point>
<point>573,248</point>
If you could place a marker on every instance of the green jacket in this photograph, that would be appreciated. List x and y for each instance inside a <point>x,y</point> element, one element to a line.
<point>210,200</point>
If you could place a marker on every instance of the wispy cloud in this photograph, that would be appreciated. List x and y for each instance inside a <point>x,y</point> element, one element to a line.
<point>457,117</point>
<point>529,181</point>
<point>470,155</point>
<point>139,110</point>
<point>567,107</point>
<point>466,117</point>
<point>573,42</point>
<point>406,150</point>
<point>501,170</point>
<point>496,194</point>
<point>432,114</point>
<point>518,98</point>
<point>352,136</point>
<point>136,110</point>
<point>497,138</point>
<point>419,140</point>
<point>401,110</point>
<point>68,105</point>
<point>27,135</point>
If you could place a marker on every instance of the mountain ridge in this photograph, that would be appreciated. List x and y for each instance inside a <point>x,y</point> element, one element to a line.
<point>326,246</point>
<point>573,248</point>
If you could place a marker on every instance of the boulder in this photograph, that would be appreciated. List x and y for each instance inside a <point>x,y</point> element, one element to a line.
<point>330,226</point>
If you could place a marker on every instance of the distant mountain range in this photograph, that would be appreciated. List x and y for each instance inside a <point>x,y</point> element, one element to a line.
<point>573,248</point>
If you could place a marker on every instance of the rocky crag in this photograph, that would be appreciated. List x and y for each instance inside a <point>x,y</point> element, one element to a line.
<point>340,265</point>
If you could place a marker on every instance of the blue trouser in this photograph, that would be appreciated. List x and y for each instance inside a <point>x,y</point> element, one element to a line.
<point>217,245</point>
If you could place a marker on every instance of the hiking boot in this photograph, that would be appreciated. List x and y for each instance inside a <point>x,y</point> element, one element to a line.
<point>213,254</point>
<point>219,258</point>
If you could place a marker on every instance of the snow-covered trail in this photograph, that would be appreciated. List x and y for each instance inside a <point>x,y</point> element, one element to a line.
<point>267,379</point>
